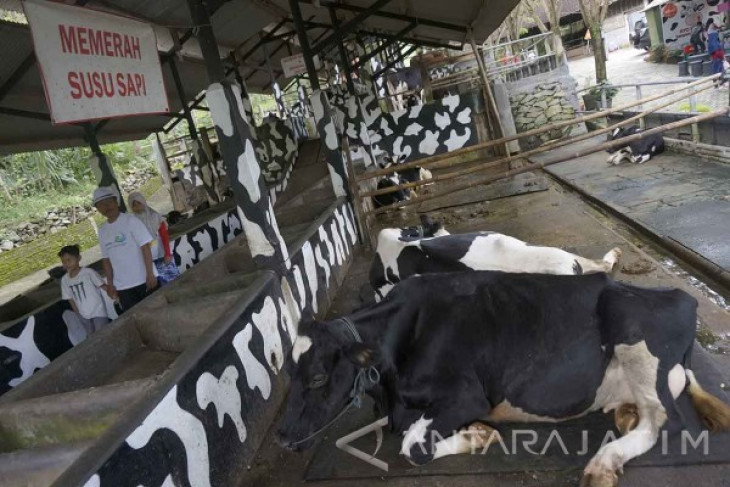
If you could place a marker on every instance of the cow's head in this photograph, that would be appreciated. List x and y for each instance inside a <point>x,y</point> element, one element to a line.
<point>619,133</point>
<point>324,363</point>
<point>389,160</point>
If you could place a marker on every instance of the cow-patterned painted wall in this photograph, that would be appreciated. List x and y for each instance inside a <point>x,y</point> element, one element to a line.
<point>420,131</point>
<point>33,342</point>
<point>208,425</point>
<point>277,148</point>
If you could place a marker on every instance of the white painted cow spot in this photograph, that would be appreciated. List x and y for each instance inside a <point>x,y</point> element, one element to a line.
<point>456,141</point>
<point>289,312</point>
<point>330,136</point>
<point>186,253</point>
<point>339,253</point>
<point>325,239</point>
<point>94,481</point>
<point>451,101</point>
<point>413,129</point>
<point>268,324</point>
<point>464,116</point>
<point>317,105</point>
<point>220,111</point>
<point>310,271</point>
<point>257,241</point>
<point>396,115</point>
<point>415,111</point>
<point>224,395</point>
<point>206,245</point>
<point>442,120</point>
<point>299,281</point>
<point>385,128</point>
<point>429,144</point>
<point>257,376</point>
<point>169,415</point>
<point>31,358</point>
<point>322,263</point>
<point>249,172</point>
<point>349,223</point>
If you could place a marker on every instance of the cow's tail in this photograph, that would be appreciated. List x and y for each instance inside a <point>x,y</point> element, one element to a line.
<point>714,413</point>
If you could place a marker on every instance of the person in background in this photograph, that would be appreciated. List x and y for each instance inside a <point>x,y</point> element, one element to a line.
<point>697,38</point>
<point>160,246</point>
<point>716,50</point>
<point>125,248</point>
<point>82,287</point>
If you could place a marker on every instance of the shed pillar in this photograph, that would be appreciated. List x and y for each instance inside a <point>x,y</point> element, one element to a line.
<point>237,144</point>
<point>101,168</point>
<point>331,143</point>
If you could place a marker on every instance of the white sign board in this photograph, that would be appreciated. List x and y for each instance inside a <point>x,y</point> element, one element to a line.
<point>294,65</point>
<point>95,65</point>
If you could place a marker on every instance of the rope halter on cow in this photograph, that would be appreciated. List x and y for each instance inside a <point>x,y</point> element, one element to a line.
<point>366,378</point>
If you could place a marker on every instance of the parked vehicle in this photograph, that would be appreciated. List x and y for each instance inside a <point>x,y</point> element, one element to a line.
<point>640,36</point>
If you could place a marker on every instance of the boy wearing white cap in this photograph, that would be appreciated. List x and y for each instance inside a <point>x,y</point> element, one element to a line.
<point>125,248</point>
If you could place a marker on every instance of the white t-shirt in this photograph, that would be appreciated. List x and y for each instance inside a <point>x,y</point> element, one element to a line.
<point>85,290</point>
<point>120,242</point>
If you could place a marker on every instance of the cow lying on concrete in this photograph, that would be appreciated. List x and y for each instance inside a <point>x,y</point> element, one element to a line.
<point>409,175</point>
<point>402,253</point>
<point>445,351</point>
<point>638,151</point>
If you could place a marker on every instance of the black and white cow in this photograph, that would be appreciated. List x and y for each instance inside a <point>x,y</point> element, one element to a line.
<point>402,253</point>
<point>638,151</point>
<point>456,349</point>
<point>409,175</point>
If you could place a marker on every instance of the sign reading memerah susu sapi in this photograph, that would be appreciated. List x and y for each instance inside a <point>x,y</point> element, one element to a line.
<point>95,65</point>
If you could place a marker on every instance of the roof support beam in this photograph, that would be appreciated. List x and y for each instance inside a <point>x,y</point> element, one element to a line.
<point>395,61</point>
<point>388,15</point>
<point>304,43</point>
<point>384,46</point>
<point>25,114</point>
<point>343,54</point>
<point>261,41</point>
<point>349,26</point>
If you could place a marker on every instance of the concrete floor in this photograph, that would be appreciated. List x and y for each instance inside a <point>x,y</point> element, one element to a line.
<point>553,217</point>
<point>682,198</point>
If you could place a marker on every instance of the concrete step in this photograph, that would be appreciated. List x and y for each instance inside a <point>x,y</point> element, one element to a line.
<point>66,417</point>
<point>38,467</point>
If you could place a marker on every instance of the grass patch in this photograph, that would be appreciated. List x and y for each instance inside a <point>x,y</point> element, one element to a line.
<point>705,336</point>
<point>41,252</point>
<point>31,207</point>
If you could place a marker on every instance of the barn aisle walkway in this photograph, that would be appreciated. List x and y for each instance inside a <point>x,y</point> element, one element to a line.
<point>679,197</point>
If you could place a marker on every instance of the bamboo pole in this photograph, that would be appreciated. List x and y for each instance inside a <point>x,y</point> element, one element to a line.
<point>532,167</point>
<point>490,102</point>
<point>434,160</point>
<point>538,150</point>
<point>357,200</point>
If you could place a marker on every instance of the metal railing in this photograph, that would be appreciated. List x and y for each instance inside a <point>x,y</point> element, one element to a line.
<point>692,97</point>
<point>522,58</point>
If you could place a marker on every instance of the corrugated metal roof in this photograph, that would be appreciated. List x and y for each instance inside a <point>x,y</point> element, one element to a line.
<point>237,24</point>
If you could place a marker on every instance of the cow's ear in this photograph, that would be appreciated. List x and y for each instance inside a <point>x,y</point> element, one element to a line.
<point>362,355</point>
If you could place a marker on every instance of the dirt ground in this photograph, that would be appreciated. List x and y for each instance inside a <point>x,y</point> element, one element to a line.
<point>555,217</point>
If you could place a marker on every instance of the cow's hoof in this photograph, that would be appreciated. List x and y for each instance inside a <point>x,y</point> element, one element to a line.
<point>419,455</point>
<point>614,258</point>
<point>626,417</point>
<point>481,435</point>
<point>604,478</point>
